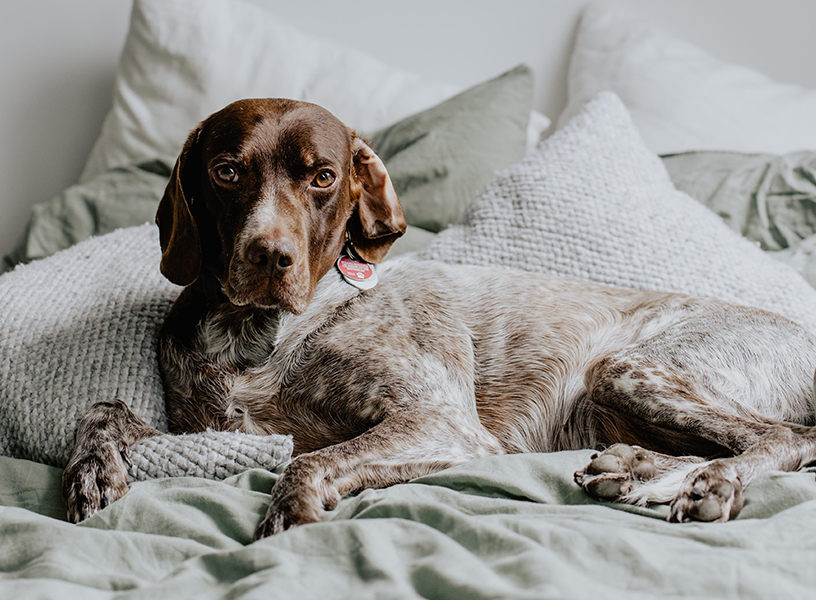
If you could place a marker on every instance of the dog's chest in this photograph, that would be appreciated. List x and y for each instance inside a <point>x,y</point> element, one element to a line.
<point>287,374</point>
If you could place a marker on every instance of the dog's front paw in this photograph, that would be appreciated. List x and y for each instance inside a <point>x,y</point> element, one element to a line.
<point>290,511</point>
<point>712,493</point>
<point>297,501</point>
<point>94,478</point>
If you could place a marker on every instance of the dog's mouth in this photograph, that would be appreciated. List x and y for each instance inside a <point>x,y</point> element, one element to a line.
<point>256,290</point>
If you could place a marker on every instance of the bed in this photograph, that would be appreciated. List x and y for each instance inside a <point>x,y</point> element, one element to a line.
<point>668,169</point>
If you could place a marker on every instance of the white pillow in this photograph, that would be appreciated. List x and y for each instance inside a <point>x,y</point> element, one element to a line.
<point>595,204</point>
<point>680,97</point>
<point>185,59</point>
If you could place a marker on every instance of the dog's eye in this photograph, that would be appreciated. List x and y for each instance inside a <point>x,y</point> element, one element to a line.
<point>227,173</point>
<point>323,179</point>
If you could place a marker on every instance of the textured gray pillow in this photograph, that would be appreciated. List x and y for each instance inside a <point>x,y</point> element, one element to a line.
<point>81,326</point>
<point>594,203</point>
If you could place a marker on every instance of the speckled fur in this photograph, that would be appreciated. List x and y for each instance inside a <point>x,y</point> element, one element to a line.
<point>441,364</point>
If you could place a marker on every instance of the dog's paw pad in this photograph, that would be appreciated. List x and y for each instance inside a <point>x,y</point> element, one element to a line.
<point>613,474</point>
<point>710,494</point>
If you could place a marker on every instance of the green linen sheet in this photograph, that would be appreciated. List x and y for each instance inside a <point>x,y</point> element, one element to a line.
<point>501,527</point>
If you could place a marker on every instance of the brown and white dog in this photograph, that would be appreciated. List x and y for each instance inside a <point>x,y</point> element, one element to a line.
<point>437,364</point>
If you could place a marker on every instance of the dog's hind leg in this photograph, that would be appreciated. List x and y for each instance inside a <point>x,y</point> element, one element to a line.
<point>708,391</point>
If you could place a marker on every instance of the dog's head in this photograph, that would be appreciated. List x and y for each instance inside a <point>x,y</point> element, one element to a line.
<point>263,196</point>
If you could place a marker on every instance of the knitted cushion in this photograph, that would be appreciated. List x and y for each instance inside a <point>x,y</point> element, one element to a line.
<point>82,326</point>
<point>594,203</point>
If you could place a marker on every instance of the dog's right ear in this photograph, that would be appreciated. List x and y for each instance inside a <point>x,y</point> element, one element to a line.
<point>178,233</point>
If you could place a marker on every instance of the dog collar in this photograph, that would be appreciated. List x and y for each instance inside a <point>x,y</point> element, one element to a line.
<point>356,271</point>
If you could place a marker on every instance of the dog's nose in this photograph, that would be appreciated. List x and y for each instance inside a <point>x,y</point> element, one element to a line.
<point>271,257</point>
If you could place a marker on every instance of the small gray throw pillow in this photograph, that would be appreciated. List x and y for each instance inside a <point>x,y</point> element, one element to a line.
<point>595,203</point>
<point>82,326</point>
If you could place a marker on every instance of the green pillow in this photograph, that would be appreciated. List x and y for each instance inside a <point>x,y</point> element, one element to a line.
<point>766,198</point>
<point>769,199</point>
<point>120,197</point>
<point>440,158</point>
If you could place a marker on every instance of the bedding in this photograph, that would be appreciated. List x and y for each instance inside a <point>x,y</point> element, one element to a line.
<point>501,527</point>
<point>185,59</point>
<point>439,158</point>
<point>592,202</point>
<point>680,97</point>
<point>505,526</point>
<point>765,198</point>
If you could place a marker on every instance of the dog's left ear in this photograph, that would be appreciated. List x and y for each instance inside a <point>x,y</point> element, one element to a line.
<point>378,220</point>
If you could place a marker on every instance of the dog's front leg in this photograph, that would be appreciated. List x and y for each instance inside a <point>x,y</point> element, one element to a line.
<point>96,474</point>
<point>398,449</point>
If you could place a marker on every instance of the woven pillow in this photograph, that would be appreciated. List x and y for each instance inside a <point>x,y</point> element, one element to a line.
<point>81,326</point>
<point>595,203</point>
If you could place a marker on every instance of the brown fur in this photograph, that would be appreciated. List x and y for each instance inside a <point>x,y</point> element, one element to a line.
<point>437,364</point>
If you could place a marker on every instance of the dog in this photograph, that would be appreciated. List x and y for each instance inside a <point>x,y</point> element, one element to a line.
<point>686,399</point>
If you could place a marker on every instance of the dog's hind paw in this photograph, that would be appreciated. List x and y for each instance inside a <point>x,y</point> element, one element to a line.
<point>615,472</point>
<point>712,493</point>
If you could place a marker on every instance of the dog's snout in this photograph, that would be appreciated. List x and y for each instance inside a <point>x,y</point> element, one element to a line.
<point>271,256</point>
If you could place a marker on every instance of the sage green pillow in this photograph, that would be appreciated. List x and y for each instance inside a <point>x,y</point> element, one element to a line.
<point>770,199</point>
<point>120,197</point>
<point>441,158</point>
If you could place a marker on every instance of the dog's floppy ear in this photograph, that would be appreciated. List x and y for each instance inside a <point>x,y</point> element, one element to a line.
<point>178,233</point>
<point>378,220</point>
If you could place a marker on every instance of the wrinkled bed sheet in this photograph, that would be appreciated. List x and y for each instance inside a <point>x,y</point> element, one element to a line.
<point>501,527</point>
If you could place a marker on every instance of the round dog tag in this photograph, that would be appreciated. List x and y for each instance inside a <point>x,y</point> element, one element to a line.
<point>357,272</point>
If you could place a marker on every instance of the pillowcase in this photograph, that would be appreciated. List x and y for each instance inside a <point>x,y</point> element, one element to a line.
<point>680,97</point>
<point>120,197</point>
<point>440,158</point>
<point>82,326</point>
<point>595,204</point>
<point>766,198</point>
<point>185,59</point>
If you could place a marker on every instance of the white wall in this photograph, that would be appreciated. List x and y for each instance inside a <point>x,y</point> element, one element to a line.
<point>59,59</point>
<point>57,62</point>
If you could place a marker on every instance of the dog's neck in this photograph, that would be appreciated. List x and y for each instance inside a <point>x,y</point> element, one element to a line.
<point>212,290</point>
